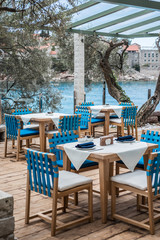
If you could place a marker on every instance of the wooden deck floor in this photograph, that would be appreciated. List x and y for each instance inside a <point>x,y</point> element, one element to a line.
<point>13,181</point>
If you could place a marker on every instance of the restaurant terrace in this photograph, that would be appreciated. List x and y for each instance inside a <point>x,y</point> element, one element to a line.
<point>93,174</point>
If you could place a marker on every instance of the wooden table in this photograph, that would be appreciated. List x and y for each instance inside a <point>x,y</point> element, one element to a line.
<point>42,122</point>
<point>107,112</point>
<point>105,171</point>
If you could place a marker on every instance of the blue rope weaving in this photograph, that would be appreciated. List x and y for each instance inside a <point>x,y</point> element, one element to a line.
<point>61,138</point>
<point>21,111</point>
<point>42,171</point>
<point>126,104</point>
<point>153,170</point>
<point>129,115</point>
<point>67,123</point>
<point>85,117</point>
<point>151,137</point>
<point>12,126</point>
<point>87,104</point>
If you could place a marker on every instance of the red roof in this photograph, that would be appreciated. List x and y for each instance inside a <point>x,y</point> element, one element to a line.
<point>134,47</point>
<point>53,53</point>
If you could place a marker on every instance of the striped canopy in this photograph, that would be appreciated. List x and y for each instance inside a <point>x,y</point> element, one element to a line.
<point>117,18</point>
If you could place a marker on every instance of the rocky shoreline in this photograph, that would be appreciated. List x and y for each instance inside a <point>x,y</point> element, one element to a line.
<point>129,75</point>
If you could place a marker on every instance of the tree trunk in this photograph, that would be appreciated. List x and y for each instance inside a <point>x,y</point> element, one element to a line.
<point>149,106</point>
<point>114,88</point>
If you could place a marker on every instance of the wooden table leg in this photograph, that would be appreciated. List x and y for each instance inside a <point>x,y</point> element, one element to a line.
<point>106,126</point>
<point>104,188</point>
<point>42,136</point>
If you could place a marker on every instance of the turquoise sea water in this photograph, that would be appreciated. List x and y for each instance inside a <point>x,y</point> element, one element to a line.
<point>136,90</point>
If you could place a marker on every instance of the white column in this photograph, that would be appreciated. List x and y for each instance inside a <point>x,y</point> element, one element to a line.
<point>79,67</point>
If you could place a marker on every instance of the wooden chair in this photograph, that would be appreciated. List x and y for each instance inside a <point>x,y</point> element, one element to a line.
<point>71,122</point>
<point>21,111</point>
<point>128,119</point>
<point>148,137</point>
<point>67,137</point>
<point>15,132</point>
<point>44,178</point>
<point>85,123</point>
<point>144,184</point>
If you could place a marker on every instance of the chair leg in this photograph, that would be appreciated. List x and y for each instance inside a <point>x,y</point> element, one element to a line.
<point>27,143</point>
<point>28,195</point>
<point>113,201</point>
<point>122,131</point>
<point>54,216</point>
<point>18,149</point>
<point>76,199</point>
<point>138,202</point>
<point>151,218</point>
<point>128,130</point>
<point>5,146</point>
<point>13,143</point>
<point>90,203</point>
<point>117,172</point>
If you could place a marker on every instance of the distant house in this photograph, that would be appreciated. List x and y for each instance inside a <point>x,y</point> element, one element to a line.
<point>133,55</point>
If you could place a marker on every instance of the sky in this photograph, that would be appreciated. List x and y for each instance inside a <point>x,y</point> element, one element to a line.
<point>145,42</point>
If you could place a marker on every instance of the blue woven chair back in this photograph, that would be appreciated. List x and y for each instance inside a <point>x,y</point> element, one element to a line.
<point>129,115</point>
<point>21,111</point>
<point>85,116</point>
<point>42,171</point>
<point>12,126</point>
<point>151,137</point>
<point>71,122</point>
<point>87,104</point>
<point>153,170</point>
<point>126,104</point>
<point>61,138</point>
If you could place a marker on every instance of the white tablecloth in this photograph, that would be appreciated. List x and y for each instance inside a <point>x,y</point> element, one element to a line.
<point>129,153</point>
<point>96,109</point>
<point>54,117</point>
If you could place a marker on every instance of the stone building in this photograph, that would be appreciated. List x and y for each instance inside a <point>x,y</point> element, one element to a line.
<point>146,57</point>
<point>133,55</point>
<point>150,58</point>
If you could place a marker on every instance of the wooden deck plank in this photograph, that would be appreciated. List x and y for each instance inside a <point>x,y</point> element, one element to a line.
<point>13,181</point>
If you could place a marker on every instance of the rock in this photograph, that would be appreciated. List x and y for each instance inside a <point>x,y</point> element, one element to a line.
<point>2,132</point>
<point>152,119</point>
<point>6,216</point>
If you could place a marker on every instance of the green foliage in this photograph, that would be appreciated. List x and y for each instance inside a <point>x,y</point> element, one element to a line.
<point>137,67</point>
<point>25,70</point>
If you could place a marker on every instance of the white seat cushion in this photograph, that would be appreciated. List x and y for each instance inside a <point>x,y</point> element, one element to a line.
<point>137,179</point>
<point>34,126</point>
<point>69,180</point>
<point>51,131</point>
<point>116,120</point>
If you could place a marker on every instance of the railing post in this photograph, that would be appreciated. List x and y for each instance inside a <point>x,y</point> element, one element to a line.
<point>84,97</point>
<point>0,111</point>
<point>104,93</point>
<point>149,93</point>
<point>74,101</point>
<point>40,102</point>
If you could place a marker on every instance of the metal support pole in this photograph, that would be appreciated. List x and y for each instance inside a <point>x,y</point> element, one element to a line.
<point>149,93</point>
<point>104,93</point>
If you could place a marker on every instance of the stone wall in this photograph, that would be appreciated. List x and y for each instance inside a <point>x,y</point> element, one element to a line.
<point>6,216</point>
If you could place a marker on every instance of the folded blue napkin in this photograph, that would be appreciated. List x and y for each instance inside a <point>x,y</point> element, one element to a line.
<point>125,138</point>
<point>85,145</point>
